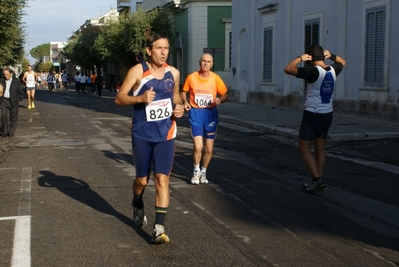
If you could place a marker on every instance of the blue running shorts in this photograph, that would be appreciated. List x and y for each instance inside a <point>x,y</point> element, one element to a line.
<point>161,154</point>
<point>203,122</point>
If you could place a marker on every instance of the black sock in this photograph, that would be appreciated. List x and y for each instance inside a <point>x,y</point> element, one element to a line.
<point>315,179</point>
<point>160,215</point>
<point>138,201</point>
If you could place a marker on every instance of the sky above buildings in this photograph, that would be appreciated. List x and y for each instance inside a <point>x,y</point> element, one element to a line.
<point>47,21</point>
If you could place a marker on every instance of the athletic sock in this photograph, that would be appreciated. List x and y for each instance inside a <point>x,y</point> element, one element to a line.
<point>160,215</point>
<point>203,170</point>
<point>138,201</point>
<point>196,168</point>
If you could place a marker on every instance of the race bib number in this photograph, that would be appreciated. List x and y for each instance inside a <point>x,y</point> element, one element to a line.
<point>203,100</point>
<point>159,110</point>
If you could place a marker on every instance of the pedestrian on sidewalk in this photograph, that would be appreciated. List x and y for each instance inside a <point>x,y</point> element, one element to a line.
<point>9,102</point>
<point>318,114</point>
<point>100,83</point>
<point>51,80</point>
<point>65,80</point>
<point>93,86</point>
<point>156,105</point>
<point>83,82</point>
<point>77,82</point>
<point>206,91</point>
<point>29,79</point>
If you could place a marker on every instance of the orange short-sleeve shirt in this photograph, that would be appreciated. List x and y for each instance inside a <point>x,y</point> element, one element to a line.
<point>203,91</point>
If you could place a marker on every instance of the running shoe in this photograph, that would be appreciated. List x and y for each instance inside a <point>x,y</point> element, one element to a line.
<point>139,217</point>
<point>196,177</point>
<point>314,186</point>
<point>158,235</point>
<point>33,105</point>
<point>29,107</point>
<point>203,178</point>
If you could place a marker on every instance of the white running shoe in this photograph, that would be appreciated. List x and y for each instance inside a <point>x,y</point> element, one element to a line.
<point>158,235</point>
<point>203,178</point>
<point>196,177</point>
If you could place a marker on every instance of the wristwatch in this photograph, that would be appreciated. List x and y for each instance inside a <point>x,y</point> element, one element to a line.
<point>300,57</point>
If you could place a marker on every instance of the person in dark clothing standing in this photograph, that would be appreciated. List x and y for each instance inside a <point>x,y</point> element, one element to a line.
<point>99,83</point>
<point>112,82</point>
<point>12,94</point>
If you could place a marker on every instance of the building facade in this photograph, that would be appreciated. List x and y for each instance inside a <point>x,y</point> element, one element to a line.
<point>127,6</point>
<point>267,35</point>
<point>199,26</point>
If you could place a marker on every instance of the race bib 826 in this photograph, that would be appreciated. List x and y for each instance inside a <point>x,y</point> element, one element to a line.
<point>159,110</point>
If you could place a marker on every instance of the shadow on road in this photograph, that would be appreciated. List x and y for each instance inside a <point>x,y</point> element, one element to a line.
<point>80,191</point>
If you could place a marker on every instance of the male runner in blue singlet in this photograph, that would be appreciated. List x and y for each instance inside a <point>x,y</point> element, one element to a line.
<point>156,103</point>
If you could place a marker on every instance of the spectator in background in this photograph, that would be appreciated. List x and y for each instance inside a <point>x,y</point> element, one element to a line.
<point>51,80</point>
<point>9,102</point>
<point>77,82</point>
<point>65,80</point>
<point>93,77</point>
<point>112,82</point>
<point>99,83</point>
<point>82,82</point>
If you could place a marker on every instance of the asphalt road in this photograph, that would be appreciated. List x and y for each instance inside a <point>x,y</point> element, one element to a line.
<point>65,193</point>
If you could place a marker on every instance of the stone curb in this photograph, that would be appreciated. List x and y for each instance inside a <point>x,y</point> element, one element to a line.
<point>293,133</point>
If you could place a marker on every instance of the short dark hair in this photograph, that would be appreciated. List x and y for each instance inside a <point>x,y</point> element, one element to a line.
<point>155,37</point>
<point>317,52</point>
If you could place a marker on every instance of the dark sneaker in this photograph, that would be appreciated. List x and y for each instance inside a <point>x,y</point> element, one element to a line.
<point>159,236</point>
<point>314,186</point>
<point>139,217</point>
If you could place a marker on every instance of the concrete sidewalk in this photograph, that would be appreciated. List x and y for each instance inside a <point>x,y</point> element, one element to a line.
<point>286,122</point>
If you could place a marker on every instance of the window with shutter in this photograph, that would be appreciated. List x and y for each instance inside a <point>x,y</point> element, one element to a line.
<point>312,29</point>
<point>268,54</point>
<point>374,50</point>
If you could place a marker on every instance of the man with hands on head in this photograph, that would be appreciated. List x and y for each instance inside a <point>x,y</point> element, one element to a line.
<point>318,109</point>
<point>156,103</point>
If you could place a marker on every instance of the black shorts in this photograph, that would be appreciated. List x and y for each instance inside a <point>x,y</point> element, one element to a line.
<point>315,125</point>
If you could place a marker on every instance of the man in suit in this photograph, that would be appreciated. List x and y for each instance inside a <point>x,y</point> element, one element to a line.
<point>9,102</point>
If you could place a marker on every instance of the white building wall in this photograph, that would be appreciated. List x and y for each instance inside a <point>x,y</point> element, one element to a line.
<point>197,34</point>
<point>342,31</point>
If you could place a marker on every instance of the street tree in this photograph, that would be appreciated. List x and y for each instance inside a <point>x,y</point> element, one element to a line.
<point>11,31</point>
<point>124,39</point>
<point>40,51</point>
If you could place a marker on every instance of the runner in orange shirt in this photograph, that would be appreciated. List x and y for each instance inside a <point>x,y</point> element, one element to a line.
<point>206,91</point>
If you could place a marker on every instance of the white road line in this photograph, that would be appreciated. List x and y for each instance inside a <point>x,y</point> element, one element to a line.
<point>8,218</point>
<point>21,250</point>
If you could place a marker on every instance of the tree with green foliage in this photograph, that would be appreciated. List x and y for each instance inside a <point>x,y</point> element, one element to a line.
<point>44,66</point>
<point>40,51</point>
<point>124,39</point>
<point>11,31</point>
<point>120,41</point>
